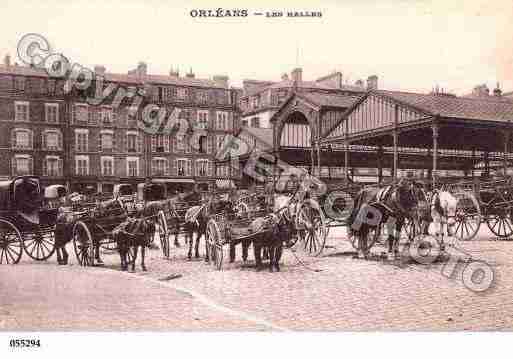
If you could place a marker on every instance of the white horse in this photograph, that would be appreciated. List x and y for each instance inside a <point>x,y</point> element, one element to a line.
<point>443,211</point>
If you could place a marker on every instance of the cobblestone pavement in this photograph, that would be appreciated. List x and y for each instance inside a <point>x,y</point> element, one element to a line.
<point>331,292</point>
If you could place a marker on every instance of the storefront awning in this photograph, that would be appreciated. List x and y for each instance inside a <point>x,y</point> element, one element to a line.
<point>173,180</point>
<point>225,184</point>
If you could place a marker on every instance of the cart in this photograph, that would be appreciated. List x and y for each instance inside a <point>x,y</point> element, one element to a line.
<point>483,201</point>
<point>25,225</point>
<point>223,230</point>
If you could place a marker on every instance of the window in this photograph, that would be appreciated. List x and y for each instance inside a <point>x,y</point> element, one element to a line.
<point>180,144</point>
<point>81,165</point>
<point>81,113</point>
<point>132,116</point>
<point>81,140</point>
<point>106,116</point>
<point>107,164</point>
<point>52,166</point>
<point>132,166</point>
<point>159,166</point>
<point>132,142</point>
<point>255,101</point>
<point>52,112</point>
<point>52,140</point>
<point>201,168</point>
<point>222,97</point>
<point>219,141</point>
<point>183,167</point>
<point>255,122</point>
<point>203,144</point>
<point>22,165</point>
<point>181,93</point>
<point>244,123</point>
<point>19,83</point>
<point>202,96</point>
<point>204,168</point>
<point>210,144</point>
<point>223,171</point>
<point>21,111</point>
<point>21,138</point>
<point>106,141</point>
<point>202,121</point>
<point>222,121</point>
<point>160,143</point>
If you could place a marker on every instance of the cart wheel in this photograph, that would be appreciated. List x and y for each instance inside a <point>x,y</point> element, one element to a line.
<point>311,227</point>
<point>214,243</point>
<point>162,231</point>
<point>40,245</point>
<point>467,217</point>
<point>11,243</point>
<point>500,223</point>
<point>83,244</point>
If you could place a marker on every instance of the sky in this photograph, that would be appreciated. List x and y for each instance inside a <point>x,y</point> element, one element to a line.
<point>411,45</point>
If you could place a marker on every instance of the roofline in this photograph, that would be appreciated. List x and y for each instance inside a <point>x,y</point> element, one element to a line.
<point>131,79</point>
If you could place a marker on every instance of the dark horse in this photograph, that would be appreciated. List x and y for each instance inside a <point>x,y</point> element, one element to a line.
<point>130,235</point>
<point>196,219</point>
<point>270,240</point>
<point>390,205</point>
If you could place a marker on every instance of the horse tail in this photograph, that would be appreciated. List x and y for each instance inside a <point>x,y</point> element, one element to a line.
<point>356,208</point>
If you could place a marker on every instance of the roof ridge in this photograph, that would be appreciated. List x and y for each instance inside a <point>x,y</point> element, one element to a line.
<point>492,99</point>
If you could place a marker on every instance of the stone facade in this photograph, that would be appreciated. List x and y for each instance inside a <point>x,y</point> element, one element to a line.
<point>79,139</point>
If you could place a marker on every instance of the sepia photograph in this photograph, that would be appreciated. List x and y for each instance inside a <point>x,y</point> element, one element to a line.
<point>198,173</point>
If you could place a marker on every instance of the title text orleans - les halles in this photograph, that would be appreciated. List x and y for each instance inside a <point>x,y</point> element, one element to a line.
<point>220,12</point>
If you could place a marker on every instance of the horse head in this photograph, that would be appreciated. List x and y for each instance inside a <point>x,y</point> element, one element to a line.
<point>412,197</point>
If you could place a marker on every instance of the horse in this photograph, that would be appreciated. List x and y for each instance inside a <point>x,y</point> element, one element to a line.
<point>389,205</point>
<point>173,222</point>
<point>269,244</point>
<point>132,234</point>
<point>443,211</point>
<point>196,219</point>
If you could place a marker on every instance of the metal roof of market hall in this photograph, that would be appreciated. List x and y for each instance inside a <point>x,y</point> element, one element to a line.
<point>493,108</point>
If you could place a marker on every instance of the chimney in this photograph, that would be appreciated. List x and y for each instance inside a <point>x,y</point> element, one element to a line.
<point>190,75</point>
<point>285,77</point>
<point>174,73</point>
<point>221,80</point>
<point>372,82</point>
<point>481,91</point>
<point>142,69</point>
<point>99,70</point>
<point>297,75</point>
<point>7,60</point>
<point>497,91</point>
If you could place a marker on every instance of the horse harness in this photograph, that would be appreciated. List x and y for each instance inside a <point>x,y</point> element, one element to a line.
<point>384,194</point>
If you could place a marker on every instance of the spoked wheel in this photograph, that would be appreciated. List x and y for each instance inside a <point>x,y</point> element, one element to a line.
<point>214,243</point>
<point>374,236</point>
<point>83,244</point>
<point>467,217</point>
<point>500,223</point>
<point>39,245</point>
<point>11,243</point>
<point>311,228</point>
<point>162,231</point>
